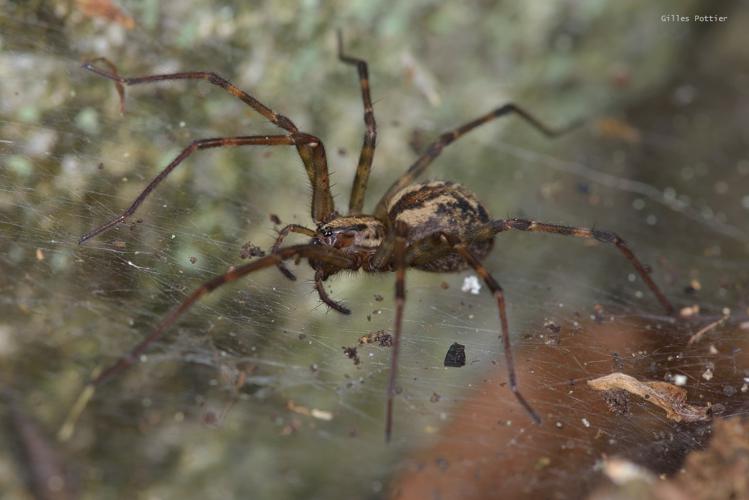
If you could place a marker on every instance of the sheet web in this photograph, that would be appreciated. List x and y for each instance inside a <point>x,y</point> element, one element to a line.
<point>252,386</point>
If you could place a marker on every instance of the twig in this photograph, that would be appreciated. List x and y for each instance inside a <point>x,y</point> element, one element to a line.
<point>698,336</point>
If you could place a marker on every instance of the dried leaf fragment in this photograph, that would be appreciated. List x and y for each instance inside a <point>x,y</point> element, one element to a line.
<point>106,9</point>
<point>667,396</point>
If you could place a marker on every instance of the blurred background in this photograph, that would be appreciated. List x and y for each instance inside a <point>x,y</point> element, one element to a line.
<point>251,394</point>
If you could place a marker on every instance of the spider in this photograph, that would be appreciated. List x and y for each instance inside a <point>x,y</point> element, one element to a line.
<point>437,226</point>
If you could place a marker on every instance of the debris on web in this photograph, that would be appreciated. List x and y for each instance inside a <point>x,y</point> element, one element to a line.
<point>669,397</point>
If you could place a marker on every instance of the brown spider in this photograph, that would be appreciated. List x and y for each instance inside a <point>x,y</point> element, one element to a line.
<point>436,226</point>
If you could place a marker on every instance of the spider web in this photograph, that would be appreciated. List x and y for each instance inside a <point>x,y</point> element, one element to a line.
<point>251,393</point>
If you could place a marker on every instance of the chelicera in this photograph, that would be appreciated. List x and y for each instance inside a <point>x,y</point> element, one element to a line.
<point>437,226</point>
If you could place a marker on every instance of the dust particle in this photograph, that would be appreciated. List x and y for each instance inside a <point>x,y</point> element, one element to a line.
<point>688,311</point>
<point>351,353</point>
<point>552,327</point>
<point>617,361</point>
<point>554,332</point>
<point>380,337</point>
<point>617,400</point>
<point>249,249</point>
<point>598,314</point>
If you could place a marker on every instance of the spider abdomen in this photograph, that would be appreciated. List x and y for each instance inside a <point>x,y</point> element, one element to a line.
<point>440,207</point>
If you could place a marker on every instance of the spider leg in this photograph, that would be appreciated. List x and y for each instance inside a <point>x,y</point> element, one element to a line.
<point>582,232</point>
<point>117,83</point>
<point>253,140</point>
<point>436,147</point>
<point>399,260</point>
<point>282,234</point>
<point>359,187</point>
<point>328,255</point>
<point>498,293</point>
<point>310,148</point>
<point>208,76</point>
<point>326,298</point>
<point>384,252</point>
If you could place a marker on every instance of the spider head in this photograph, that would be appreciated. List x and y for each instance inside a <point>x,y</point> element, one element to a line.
<point>352,234</point>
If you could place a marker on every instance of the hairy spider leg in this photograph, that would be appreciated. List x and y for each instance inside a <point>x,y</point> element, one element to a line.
<point>310,148</point>
<point>359,187</point>
<point>498,293</point>
<point>320,288</point>
<point>313,252</point>
<point>282,234</point>
<point>436,147</point>
<point>586,233</point>
<point>399,262</point>
<point>219,142</point>
<point>212,78</point>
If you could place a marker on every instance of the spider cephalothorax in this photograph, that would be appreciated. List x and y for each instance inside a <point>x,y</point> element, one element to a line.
<point>436,226</point>
<point>352,234</point>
